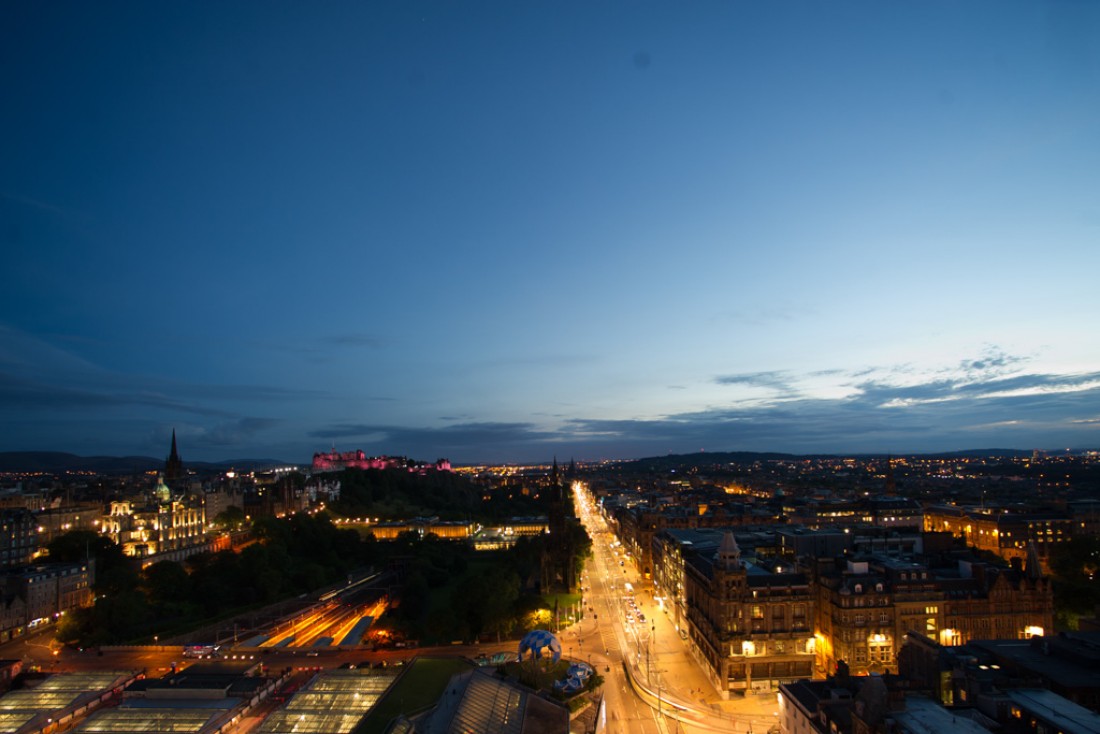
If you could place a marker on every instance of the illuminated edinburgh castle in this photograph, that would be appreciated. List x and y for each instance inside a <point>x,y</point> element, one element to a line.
<point>338,461</point>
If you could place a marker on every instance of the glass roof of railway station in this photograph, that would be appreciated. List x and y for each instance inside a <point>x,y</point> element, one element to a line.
<point>97,680</point>
<point>13,721</point>
<point>333,703</point>
<point>148,721</point>
<point>54,695</point>
<point>32,700</point>
<point>61,690</point>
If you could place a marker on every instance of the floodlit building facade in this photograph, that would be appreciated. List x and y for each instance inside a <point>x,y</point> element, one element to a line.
<point>749,627</point>
<point>164,526</point>
<point>1007,534</point>
<point>866,606</point>
<point>756,620</point>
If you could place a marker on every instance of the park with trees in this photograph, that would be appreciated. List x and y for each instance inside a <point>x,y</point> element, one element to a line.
<point>440,590</point>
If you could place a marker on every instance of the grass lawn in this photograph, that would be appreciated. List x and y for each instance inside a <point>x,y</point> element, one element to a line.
<point>566,604</point>
<point>564,600</point>
<point>420,686</point>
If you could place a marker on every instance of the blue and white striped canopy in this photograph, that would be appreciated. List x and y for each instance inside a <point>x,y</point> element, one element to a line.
<point>535,640</point>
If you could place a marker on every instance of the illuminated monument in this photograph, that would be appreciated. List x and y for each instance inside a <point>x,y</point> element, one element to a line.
<point>558,563</point>
<point>338,461</point>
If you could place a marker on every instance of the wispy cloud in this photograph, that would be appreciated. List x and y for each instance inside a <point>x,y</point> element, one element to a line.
<point>364,341</point>
<point>879,414</point>
<point>28,395</point>
<point>41,206</point>
<point>945,390</point>
<point>21,352</point>
<point>543,359</point>
<point>991,399</point>
<point>775,380</point>
<point>37,372</point>
<point>70,400</point>
<point>973,403</point>
<point>487,441</point>
<point>458,435</point>
<point>327,347</point>
<point>239,432</point>
<point>17,392</point>
<point>762,316</point>
<point>994,360</point>
<point>251,393</point>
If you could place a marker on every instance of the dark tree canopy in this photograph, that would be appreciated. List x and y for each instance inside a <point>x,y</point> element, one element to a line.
<point>396,493</point>
<point>291,556</point>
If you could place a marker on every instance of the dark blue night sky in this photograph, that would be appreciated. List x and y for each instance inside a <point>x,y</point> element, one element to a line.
<point>507,230</point>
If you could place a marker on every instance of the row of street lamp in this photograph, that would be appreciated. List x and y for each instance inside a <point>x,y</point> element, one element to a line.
<point>652,677</point>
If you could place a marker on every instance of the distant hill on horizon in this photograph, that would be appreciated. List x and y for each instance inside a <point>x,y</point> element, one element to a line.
<point>59,462</point>
<point>698,458</point>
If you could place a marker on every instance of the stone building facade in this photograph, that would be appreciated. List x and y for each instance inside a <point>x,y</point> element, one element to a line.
<point>750,628</point>
<point>757,621</point>
<point>1009,535</point>
<point>18,537</point>
<point>164,526</point>
<point>865,607</point>
<point>39,594</point>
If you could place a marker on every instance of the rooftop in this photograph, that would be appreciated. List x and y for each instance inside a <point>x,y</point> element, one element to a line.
<point>925,716</point>
<point>333,703</point>
<point>1067,716</point>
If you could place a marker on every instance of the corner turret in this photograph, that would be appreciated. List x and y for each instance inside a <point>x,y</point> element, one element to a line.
<point>728,555</point>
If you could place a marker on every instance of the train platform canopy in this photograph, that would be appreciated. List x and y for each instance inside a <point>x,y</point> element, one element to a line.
<point>57,697</point>
<point>13,721</point>
<point>196,700</point>
<point>334,703</point>
<point>95,680</point>
<point>149,721</point>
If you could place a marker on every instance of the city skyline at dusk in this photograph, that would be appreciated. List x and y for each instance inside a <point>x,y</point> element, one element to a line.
<point>509,232</point>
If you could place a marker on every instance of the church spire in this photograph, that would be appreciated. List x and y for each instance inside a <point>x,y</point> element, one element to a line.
<point>173,466</point>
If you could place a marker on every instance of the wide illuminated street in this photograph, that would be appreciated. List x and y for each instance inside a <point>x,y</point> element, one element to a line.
<point>652,679</point>
<point>652,683</point>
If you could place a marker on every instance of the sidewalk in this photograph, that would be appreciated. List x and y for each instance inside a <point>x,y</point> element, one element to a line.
<point>682,679</point>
